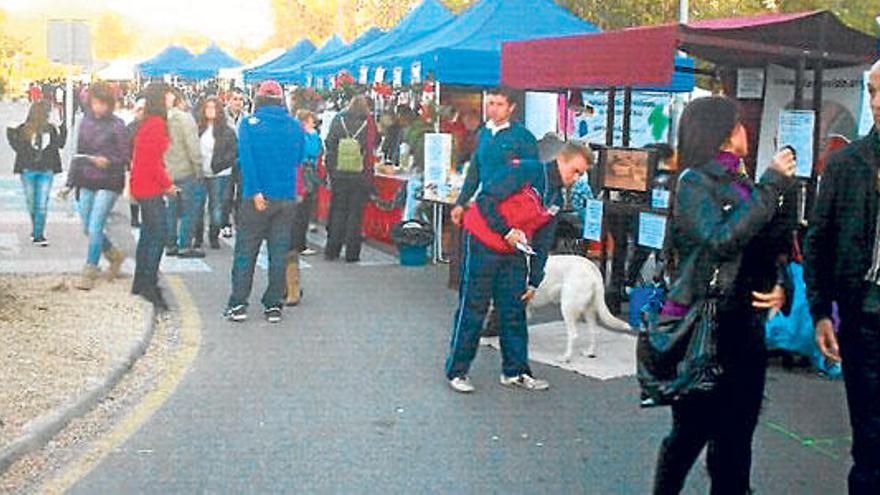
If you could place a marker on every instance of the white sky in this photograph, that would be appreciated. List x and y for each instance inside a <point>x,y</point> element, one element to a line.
<point>228,20</point>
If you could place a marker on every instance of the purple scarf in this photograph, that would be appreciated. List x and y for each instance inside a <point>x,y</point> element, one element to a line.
<point>731,163</point>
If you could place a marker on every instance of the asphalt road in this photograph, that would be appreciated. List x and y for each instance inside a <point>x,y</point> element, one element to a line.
<point>348,396</point>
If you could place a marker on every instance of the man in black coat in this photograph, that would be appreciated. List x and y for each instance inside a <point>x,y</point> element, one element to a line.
<point>842,265</point>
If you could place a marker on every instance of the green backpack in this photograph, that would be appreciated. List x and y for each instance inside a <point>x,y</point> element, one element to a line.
<point>350,158</point>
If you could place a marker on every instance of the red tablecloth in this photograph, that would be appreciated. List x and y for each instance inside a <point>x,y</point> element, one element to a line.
<point>377,223</point>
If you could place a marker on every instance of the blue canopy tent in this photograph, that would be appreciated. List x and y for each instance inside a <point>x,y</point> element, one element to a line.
<point>206,64</point>
<point>166,62</point>
<point>467,51</point>
<point>362,41</point>
<point>427,17</point>
<point>291,73</point>
<point>299,52</point>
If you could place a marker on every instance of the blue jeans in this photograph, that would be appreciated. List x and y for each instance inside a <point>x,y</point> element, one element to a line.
<point>252,227</point>
<point>94,208</point>
<point>488,276</point>
<point>150,246</point>
<point>217,200</point>
<point>186,206</point>
<point>37,186</point>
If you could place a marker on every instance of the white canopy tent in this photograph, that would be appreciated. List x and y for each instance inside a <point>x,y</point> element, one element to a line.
<point>118,70</point>
<point>236,73</point>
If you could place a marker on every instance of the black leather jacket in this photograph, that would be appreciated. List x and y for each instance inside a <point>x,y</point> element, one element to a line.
<point>714,227</point>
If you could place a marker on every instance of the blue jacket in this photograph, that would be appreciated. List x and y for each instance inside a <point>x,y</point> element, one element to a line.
<point>313,147</point>
<point>271,147</point>
<point>495,154</point>
<point>545,179</point>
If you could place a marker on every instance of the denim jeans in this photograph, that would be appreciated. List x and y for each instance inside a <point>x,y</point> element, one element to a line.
<point>252,227</point>
<point>150,245</point>
<point>37,186</point>
<point>94,208</point>
<point>186,206</point>
<point>350,195</point>
<point>217,187</point>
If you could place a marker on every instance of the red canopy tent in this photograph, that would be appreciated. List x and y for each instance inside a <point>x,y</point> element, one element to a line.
<point>643,56</point>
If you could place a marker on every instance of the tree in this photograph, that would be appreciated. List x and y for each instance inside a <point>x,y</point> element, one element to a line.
<point>112,40</point>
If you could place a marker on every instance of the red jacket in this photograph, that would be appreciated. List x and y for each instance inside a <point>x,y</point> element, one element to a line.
<point>523,210</point>
<point>148,175</point>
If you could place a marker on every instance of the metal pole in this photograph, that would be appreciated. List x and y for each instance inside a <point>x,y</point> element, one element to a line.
<point>627,115</point>
<point>610,117</point>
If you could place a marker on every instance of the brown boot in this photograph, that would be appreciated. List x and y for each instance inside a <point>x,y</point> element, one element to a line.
<point>116,258</point>
<point>87,280</point>
<point>294,292</point>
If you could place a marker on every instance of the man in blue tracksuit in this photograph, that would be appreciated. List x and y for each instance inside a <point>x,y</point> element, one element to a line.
<point>509,279</point>
<point>270,151</point>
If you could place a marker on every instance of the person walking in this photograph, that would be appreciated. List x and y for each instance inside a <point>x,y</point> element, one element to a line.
<point>726,227</point>
<point>98,177</point>
<point>184,162</point>
<point>349,160</point>
<point>310,181</point>
<point>842,265</point>
<point>219,147</point>
<point>131,129</point>
<point>508,276</point>
<point>270,150</point>
<point>37,144</point>
<point>150,183</point>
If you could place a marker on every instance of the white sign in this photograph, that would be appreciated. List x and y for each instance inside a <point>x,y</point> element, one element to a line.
<point>416,75</point>
<point>796,130</point>
<point>649,119</point>
<point>398,77</point>
<point>652,230</point>
<point>750,83</point>
<point>841,97</point>
<point>363,75</point>
<point>380,75</point>
<point>309,80</point>
<point>438,160</point>
<point>541,112</point>
<point>593,221</point>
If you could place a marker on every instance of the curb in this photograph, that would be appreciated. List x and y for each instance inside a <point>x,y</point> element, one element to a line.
<point>39,431</point>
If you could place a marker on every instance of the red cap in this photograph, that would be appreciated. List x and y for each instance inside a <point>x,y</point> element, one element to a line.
<point>271,89</point>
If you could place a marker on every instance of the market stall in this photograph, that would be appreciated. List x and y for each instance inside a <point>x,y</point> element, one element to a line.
<point>166,62</point>
<point>295,55</point>
<point>207,64</point>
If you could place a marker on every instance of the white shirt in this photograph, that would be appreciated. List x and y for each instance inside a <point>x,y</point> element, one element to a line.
<point>206,141</point>
<point>495,129</point>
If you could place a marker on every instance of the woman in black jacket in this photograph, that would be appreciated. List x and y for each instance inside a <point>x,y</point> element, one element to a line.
<point>726,226</point>
<point>219,148</point>
<point>37,145</point>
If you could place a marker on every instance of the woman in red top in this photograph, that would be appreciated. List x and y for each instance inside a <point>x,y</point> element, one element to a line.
<point>150,184</point>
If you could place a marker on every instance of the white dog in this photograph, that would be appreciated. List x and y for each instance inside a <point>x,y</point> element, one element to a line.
<point>576,284</point>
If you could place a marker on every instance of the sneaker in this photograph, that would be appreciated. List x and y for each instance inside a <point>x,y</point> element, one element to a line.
<point>236,313</point>
<point>462,384</point>
<point>226,232</point>
<point>525,381</point>
<point>308,252</point>
<point>40,241</point>
<point>273,314</point>
<point>191,253</point>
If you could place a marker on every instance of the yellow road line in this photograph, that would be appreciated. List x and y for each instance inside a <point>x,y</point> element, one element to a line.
<point>190,338</point>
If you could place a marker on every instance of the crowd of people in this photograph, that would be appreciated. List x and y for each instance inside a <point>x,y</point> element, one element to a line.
<point>729,236</point>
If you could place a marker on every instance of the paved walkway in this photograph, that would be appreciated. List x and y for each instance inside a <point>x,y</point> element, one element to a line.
<point>348,396</point>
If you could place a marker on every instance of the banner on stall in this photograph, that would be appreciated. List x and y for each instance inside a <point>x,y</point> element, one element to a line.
<point>841,102</point>
<point>593,220</point>
<point>796,130</point>
<point>438,160</point>
<point>363,75</point>
<point>380,75</point>
<point>649,118</point>
<point>750,83</point>
<point>397,77</point>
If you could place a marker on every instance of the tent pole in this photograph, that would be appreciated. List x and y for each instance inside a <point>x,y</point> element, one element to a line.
<point>799,77</point>
<point>437,104</point>
<point>483,106</point>
<point>609,118</point>
<point>565,112</point>
<point>627,114</point>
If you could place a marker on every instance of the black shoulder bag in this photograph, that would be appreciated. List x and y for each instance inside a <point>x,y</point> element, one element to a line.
<point>677,356</point>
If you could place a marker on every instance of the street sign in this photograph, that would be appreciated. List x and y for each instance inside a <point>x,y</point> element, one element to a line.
<point>70,42</point>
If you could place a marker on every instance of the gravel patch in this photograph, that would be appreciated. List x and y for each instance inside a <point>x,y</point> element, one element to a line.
<point>29,473</point>
<point>56,340</point>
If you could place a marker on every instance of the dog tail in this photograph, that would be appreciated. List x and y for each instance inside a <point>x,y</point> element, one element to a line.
<point>605,316</point>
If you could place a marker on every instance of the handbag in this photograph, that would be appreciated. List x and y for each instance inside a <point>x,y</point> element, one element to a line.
<point>677,357</point>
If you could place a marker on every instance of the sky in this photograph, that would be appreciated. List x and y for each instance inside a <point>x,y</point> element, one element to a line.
<point>249,21</point>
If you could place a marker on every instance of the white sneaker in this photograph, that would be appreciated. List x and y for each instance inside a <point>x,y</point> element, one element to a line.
<point>461,384</point>
<point>524,381</point>
<point>308,252</point>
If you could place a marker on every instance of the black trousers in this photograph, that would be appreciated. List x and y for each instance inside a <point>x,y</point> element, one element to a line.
<point>349,195</point>
<point>301,222</point>
<point>724,421</point>
<point>150,246</point>
<point>860,354</point>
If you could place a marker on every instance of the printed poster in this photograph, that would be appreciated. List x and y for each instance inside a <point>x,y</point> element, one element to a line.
<point>593,222</point>
<point>796,130</point>
<point>652,230</point>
